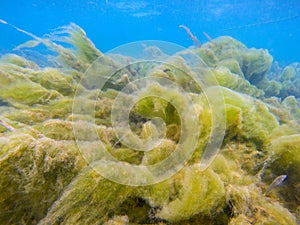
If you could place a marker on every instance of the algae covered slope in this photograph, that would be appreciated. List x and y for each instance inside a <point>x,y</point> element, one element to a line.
<point>147,135</point>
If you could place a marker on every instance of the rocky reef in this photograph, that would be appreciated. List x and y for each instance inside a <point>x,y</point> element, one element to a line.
<point>230,128</point>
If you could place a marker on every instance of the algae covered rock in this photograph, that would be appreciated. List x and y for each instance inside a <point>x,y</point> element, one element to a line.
<point>17,88</point>
<point>252,64</point>
<point>54,80</point>
<point>282,81</point>
<point>99,199</point>
<point>235,82</point>
<point>34,170</point>
<point>180,140</point>
<point>286,160</point>
<point>202,193</point>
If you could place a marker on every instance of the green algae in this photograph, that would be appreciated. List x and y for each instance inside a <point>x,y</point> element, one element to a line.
<point>100,198</point>
<point>42,159</point>
<point>17,88</point>
<point>284,83</point>
<point>251,64</point>
<point>198,188</point>
<point>54,80</point>
<point>18,60</point>
<point>34,171</point>
<point>235,82</point>
<point>285,153</point>
<point>251,119</point>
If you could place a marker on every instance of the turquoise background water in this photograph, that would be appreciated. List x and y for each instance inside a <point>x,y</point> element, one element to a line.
<point>274,25</point>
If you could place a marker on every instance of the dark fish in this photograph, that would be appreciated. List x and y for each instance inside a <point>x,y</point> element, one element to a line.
<point>276,182</point>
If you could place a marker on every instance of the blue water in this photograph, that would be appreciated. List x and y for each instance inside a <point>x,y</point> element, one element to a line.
<point>273,25</point>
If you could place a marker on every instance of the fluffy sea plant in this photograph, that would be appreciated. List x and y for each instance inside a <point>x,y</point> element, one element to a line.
<point>53,170</point>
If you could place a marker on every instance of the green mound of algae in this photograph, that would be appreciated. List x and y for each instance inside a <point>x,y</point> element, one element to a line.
<point>46,180</point>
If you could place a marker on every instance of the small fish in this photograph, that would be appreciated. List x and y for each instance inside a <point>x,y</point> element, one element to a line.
<point>3,21</point>
<point>207,36</point>
<point>190,34</point>
<point>166,70</point>
<point>6,125</point>
<point>276,182</point>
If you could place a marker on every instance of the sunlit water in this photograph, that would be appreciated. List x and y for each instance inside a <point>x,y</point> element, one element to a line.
<point>273,25</point>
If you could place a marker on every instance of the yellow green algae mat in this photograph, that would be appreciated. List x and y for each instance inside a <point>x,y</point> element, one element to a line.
<point>148,133</point>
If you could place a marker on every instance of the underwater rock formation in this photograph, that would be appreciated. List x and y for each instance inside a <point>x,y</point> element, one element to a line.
<point>49,141</point>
